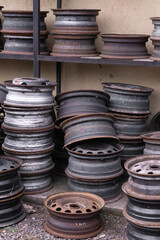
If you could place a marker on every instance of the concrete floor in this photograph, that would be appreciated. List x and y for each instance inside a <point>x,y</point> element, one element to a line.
<point>60,185</point>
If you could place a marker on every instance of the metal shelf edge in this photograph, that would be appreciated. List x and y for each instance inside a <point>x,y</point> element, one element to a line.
<point>16,56</point>
<point>98,60</point>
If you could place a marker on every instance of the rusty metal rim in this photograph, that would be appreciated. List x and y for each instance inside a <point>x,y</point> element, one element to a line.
<point>90,138</point>
<point>87,154</point>
<point>81,116</point>
<point>20,11</point>
<point>57,34</point>
<point>24,53</point>
<point>77,55</point>
<point>21,153</point>
<point>94,179</point>
<point>8,107</point>
<point>129,138</point>
<point>155,59</point>
<point>141,158</point>
<point>116,35</point>
<point>131,193</point>
<point>14,159</point>
<point>154,39</point>
<point>37,173</point>
<point>125,87</point>
<point>151,136</point>
<point>39,191</point>
<point>90,196</point>
<point>83,91</point>
<point>30,106</point>
<point>27,130</point>
<point>10,197</point>
<point>113,110</point>
<point>48,228</point>
<point>74,11</point>
<point>155,122</point>
<point>22,32</point>
<point>123,57</point>
<point>139,222</point>
<point>9,83</point>
<point>131,117</point>
<point>155,18</point>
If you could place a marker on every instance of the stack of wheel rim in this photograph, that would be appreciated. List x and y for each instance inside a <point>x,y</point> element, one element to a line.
<point>28,125</point>
<point>143,192</point>
<point>91,142</point>
<point>130,105</point>
<point>75,32</point>
<point>74,215</point>
<point>17,30</point>
<point>11,191</point>
<point>155,38</point>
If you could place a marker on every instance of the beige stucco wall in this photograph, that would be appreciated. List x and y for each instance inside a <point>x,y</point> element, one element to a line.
<point>117,16</point>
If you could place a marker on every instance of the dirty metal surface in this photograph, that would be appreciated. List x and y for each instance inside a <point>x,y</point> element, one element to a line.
<point>23,44</point>
<point>109,190</point>
<point>21,20</point>
<point>133,146</point>
<point>155,123</point>
<point>124,46</point>
<point>130,125</point>
<point>144,180</point>
<point>10,182</point>
<point>30,92</point>
<point>142,212</point>
<point>144,233</point>
<point>74,32</point>
<point>3,92</point>
<point>74,215</point>
<point>152,142</point>
<point>28,143</point>
<point>95,161</point>
<point>128,98</point>
<point>87,127</point>
<point>11,212</point>
<point>156,50</point>
<point>77,102</point>
<point>29,118</point>
<point>156,23</point>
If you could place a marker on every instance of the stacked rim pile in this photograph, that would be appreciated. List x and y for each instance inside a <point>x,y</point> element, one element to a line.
<point>155,38</point>
<point>11,191</point>
<point>74,215</point>
<point>143,192</point>
<point>17,30</point>
<point>90,139</point>
<point>75,32</point>
<point>130,105</point>
<point>28,125</point>
<point>59,155</point>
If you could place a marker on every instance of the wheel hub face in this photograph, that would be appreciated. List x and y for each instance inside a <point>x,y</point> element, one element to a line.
<point>74,215</point>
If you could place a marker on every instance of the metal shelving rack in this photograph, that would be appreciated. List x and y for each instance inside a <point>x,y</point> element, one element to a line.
<point>37,58</point>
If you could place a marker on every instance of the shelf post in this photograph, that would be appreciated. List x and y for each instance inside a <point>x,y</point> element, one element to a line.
<point>58,64</point>
<point>36,37</point>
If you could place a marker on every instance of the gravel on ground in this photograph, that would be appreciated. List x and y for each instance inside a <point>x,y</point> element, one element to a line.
<point>31,228</point>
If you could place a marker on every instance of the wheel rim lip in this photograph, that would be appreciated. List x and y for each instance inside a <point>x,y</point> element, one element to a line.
<point>92,197</point>
<point>132,161</point>
<point>127,87</point>
<point>11,159</point>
